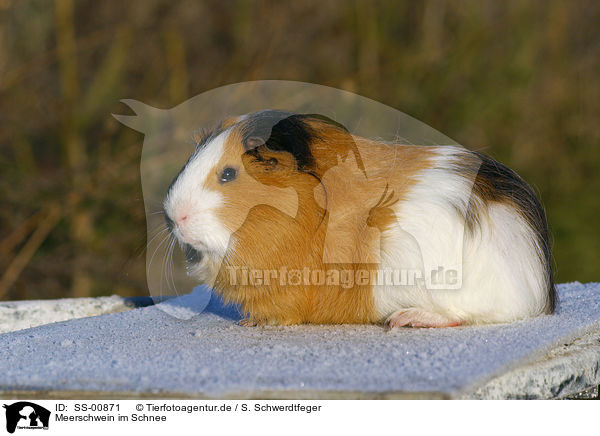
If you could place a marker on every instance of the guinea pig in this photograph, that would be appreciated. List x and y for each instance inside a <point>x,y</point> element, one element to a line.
<point>296,220</point>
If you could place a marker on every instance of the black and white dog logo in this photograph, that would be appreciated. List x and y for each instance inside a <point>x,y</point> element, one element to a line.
<point>26,415</point>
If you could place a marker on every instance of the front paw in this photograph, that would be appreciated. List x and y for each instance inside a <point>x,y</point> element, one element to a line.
<point>248,322</point>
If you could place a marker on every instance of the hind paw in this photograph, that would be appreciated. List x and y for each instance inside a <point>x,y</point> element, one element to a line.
<point>420,318</point>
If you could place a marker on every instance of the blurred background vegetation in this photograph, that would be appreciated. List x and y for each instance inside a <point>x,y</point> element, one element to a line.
<point>519,80</point>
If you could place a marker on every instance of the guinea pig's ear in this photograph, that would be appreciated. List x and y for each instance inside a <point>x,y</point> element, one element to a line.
<point>270,167</point>
<point>281,161</point>
<point>253,142</point>
<point>272,160</point>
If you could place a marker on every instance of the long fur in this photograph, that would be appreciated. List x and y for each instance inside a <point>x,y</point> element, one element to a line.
<point>309,195</point>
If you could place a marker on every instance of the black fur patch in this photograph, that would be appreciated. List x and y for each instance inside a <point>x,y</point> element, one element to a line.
<point>281,131</point>
<point>496,182</point>
<point>191,254</point>
<point>169,221</point>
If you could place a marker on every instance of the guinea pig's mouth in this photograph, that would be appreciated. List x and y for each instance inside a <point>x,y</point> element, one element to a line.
<point>191,254</point>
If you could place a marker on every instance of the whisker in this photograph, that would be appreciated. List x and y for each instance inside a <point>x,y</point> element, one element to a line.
<point>157,248</point>
<point>149,266</point>
<point>155,236</point>
<point>170,266</point>
<point>163,271</point>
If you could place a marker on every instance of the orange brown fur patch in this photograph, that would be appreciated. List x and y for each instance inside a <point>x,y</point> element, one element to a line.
<point>299,219</point>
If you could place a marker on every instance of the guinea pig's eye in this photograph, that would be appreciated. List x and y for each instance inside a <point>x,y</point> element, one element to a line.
<point>228,175</point>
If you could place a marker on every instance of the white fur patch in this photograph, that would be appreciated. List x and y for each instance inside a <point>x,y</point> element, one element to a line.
<point>500,275</point>
<point>189,197</point>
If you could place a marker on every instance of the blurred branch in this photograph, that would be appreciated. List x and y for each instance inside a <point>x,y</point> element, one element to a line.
<point>22,72</point>
<point>432,30</point>
<point>368,43</point>
<point>51,218</point>
<point>16,237</point>
<point>24,155</point>
<point>67,62</point>
<point>80,222</point>
<point>105,83</point>
<point>46,220</point>
<point>178,77</point>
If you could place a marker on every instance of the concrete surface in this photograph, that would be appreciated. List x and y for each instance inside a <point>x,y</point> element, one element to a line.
<point>18,315</point>
<point>191,347</point>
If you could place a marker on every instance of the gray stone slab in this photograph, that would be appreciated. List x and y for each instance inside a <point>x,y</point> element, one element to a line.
<point>150,352</point>
<point>570,370</point>
<point>18,315</point>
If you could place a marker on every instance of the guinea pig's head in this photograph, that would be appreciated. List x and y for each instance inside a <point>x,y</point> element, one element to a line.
<point>257,159</point>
